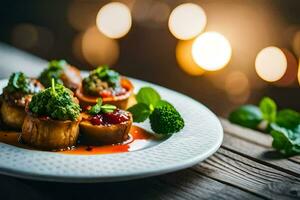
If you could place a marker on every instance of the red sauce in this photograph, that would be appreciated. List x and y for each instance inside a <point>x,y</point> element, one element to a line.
<point>139,139</point>
<point>116,117</point>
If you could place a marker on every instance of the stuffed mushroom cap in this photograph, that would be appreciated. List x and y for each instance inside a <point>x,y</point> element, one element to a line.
<point>52,120</point>
<point>63,73</point>
<point>16,94</point>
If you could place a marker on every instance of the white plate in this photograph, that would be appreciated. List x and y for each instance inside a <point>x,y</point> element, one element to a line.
<point>200,138</point>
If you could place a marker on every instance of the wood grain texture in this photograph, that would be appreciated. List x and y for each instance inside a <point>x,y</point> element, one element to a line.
<point>250,176</point>
<point>260,154</point>
<point>185,184</point>
<point>252,136</point>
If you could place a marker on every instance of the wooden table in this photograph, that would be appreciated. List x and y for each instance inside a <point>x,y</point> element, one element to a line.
<point>245,167</point>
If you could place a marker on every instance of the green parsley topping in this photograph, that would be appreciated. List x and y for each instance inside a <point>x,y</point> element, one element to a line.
<point>53,71</point>
<point>99,108</point>
<point>57,102</point>
<point>18,82</point>
<point>100,79</point>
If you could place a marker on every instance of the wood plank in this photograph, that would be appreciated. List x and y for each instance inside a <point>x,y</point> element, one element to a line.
<point>203,187</point>
<point>185,184</point>
<point>248,175</point>
<point>261,154</point>
<point>252,136</point>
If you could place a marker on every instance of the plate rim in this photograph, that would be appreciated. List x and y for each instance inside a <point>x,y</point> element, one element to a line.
<point>113,178</point>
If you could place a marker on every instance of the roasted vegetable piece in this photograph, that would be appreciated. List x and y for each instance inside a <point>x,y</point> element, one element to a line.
<point>105,124</point>
<point>15,95</point>
<point>62,73</point>
<point>107,84</point>
<point>52,120</point>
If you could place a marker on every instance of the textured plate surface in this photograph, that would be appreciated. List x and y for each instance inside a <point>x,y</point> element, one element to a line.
<point>200,138</point>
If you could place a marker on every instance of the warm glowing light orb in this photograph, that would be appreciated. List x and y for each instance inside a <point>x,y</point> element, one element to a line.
<point>236,83</point>
<point>187,21</point>
<point>271,64</point>
<point>98,49</point>
<point>211,51</point>
<point>299,71</point>
<point>114,20</point>
<point>185,60</point>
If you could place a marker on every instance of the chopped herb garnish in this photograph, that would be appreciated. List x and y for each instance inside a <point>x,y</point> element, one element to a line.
<point>98,108</point>
<point>53,71</point>
<point>57,102</point>
<point>100,79</point>
<point>18,82</point>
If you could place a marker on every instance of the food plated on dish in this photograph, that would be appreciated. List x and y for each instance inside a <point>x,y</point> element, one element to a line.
<point>18,91</point>
<point>83,116</point>
<point>107,84</point>
<point>149,153</point>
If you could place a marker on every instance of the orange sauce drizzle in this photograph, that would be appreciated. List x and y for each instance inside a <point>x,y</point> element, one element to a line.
<point>139,138</point>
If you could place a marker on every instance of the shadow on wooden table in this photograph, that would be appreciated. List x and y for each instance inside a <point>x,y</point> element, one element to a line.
<point>159,187</point>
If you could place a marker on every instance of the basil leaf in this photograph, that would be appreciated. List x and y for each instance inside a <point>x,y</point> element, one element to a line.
<point>285,140</point>
<point>99,101</point>
<point>140,112</point>
<point>248,115</point>
<point>288,118</point>
<point>107,108</point>
<point>95,109</point>
<point>148,96</point>
<point>268,108</point>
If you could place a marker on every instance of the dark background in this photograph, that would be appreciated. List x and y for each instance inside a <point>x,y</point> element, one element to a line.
<point>148,51</point>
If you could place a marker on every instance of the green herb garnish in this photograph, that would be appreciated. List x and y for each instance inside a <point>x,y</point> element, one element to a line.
<point>268,109</point>
<point>53,71</point>
<point>164,118</point>
<point>57,102</point>
<point>247,115</point>
<point>18,82</point>
<point>98,108</point>
<point>283,125</point>
<point>99,79</point>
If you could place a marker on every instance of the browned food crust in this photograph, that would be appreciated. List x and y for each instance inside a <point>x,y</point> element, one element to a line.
<point>71,77</point>
<point>48,134</point>
<point>119,101</point>
<point>103,134</point>
<point>12,115</point>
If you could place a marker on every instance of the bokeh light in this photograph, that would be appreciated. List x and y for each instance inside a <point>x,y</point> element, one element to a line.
<point>98,49</point>
<point>25,36</point>
<point>187,21</point>
<point>299,71</point>
<point>114,20</point>
<point>32,37</point>
<point>271,64</point>
<point>145,13</point>
<point>236,83</point>
<point>290,74</point>
<point>237,87</point>
<point>185,59</point>
<point>296,43</point>
<point>211,51</point>
<point>81,14</point>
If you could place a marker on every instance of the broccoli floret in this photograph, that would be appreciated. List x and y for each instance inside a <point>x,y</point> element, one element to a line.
<point>165,119</point>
